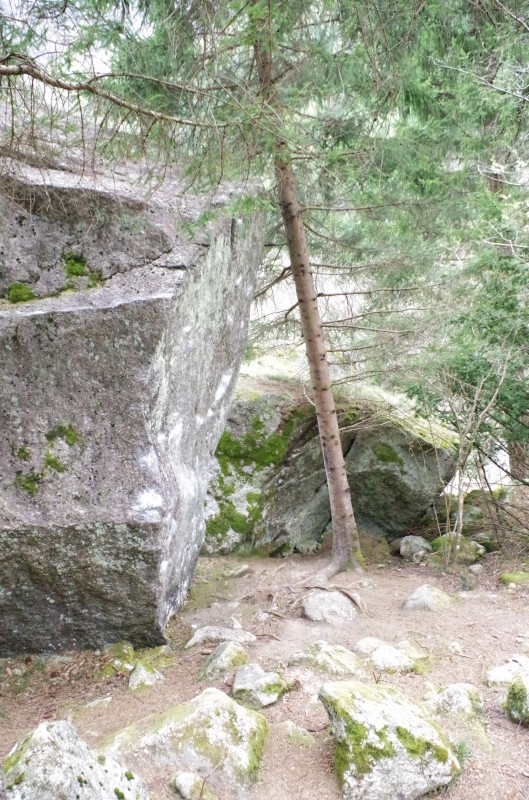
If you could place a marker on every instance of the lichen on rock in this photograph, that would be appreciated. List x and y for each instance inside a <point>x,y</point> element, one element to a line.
<point>386,745</point>
<point>255,688</point>
<point>53,762</point>
<point>330,659</point>
<point>225,657</point>
<point>210,735</point>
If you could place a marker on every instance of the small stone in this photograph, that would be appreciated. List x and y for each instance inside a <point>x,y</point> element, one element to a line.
<point>298,735</point>
<point>122,655</point>
<point>367,583</point>
<point>476,569</point>
<point>224,658</point>
<point>331,607</point>
<point>191,786</point>
<point>143,676</point>
<point>385,657</point>
<point>455,648</point>
<point>457,698</point>
<point>237,572</point>
<point>414,548</point>
<point>213,633</point>
<point>99,701</point>
<point>427,598</point>
<point>332,659</point>
<point>255,688</point>
<point>506,673</point>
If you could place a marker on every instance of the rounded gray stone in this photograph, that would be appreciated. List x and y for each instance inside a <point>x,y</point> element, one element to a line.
<point>331,607</point>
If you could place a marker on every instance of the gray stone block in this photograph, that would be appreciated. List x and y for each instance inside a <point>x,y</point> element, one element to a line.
<point>112,400</point>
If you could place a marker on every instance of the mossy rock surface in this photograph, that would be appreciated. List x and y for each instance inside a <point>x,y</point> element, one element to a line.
<point>466,552</point>
<point>210,734</point>
<point>225,658</point>
<point>255,688</point>
<point>124,658</point>
<point>517,703</point>
<point>53,762</point>
<point>386,745</point>
<point>270,493</point>
<point>329,659</point>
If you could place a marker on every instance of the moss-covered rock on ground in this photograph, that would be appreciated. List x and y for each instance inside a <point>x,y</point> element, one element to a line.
<point>386,745</point>
<point>210,734</point>
<point>255,688</point>
<point>53,762</point>
<point>517,703</point>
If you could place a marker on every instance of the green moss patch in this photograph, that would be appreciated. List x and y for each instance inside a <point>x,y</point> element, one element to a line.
<point>518,578</point>
<point>53,463</point>
<point>238,459</point>
<point>418,748</point>
<point>15,757</point>
<point>23,453</point>
<point>67,433</point>
<point>357,748</point>
<point>20,293</point>
<point>29,481</point>
<point>255,448</point>
<point>517,703</point>
<point>74,265</point>
<point>387,455</point>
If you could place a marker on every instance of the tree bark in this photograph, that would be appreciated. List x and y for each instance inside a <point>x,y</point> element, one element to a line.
<point>345,542</point>
<point>519,459</point>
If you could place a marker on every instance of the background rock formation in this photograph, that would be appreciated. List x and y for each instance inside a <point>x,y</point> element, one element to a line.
<point>115,385</point>
<point>270,490</point>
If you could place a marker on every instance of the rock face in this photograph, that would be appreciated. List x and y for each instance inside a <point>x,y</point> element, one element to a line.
<point>113,394</point>
<point>386,746</point>
<point>53,762</point>
<point>270,490</point>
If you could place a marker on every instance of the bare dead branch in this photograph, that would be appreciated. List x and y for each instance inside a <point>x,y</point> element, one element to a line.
<point>26,66</point>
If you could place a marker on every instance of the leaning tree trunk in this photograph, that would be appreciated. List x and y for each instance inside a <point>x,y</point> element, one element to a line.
<point>344,531</point>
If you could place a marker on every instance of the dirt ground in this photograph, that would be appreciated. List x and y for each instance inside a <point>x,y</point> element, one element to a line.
<point>486,625</point>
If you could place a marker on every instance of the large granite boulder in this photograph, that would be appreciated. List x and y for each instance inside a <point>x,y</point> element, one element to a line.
<point>270,491</point>
<point>115,384</point>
